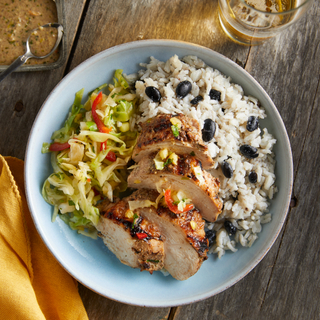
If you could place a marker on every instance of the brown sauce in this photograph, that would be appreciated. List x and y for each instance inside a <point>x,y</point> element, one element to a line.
<point>17,19</point>
<point>42,41</point>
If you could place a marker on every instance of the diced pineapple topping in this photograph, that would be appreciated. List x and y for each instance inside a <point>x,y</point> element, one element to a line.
<point>133,205</point>
<point>158,163</point>
<point>165,157</point>
<point>176,122</point>
<point>174,158</point>
<point>198,173</point>
<point>193,225</point>
<point>129,214</point>
<point>181,204</point>
<point>180,199</point>
<point>163,153</point>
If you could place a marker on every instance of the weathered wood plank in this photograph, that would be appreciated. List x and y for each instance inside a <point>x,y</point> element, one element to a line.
<point>22,94</point>
<point>293,291</point>
<point>113,22</point>
<point>297,268</point>
<point>100,308</point>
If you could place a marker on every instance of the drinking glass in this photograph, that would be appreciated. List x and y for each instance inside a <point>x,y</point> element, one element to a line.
<point>251,22</point>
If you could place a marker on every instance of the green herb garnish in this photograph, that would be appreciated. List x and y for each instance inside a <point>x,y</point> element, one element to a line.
<point>168,161</point>
<point>135,217</point>
<point>175,130</point>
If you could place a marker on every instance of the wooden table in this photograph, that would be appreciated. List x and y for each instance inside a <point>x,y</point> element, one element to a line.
<point>285,285</point>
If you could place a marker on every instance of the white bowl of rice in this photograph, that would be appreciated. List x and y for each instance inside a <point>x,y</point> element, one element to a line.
<point>257,207</point>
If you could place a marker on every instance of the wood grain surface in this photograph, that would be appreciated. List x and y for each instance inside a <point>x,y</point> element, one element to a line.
<point>285,284</point>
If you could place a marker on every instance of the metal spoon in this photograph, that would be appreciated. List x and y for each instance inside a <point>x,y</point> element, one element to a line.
<point>22,59</point>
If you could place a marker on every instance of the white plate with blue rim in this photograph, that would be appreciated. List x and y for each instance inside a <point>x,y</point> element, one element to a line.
<point>89,261</point>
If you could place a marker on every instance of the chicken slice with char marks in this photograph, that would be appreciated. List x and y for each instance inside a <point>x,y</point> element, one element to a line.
<point>185,242</point>
<point>187,175</point>
<point>132,238</point>
<point>157,134</point>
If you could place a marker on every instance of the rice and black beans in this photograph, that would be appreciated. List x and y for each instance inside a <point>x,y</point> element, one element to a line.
<point>244,161</point>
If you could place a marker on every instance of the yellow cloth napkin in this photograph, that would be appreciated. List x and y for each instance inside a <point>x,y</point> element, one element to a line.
<point>33,285</point>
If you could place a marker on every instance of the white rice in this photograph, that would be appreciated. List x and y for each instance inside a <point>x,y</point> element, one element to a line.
<point>245,204</point>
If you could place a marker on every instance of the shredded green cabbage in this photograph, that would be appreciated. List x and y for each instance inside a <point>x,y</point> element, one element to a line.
<point>84,173</point>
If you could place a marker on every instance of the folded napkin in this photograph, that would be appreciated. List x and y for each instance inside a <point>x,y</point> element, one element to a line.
<point>33,285</point>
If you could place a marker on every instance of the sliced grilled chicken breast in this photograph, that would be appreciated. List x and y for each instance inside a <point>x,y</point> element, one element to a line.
<point>187,175</point>
<point>185,242</point>
<point>132,238</point>
<point>157,134</point>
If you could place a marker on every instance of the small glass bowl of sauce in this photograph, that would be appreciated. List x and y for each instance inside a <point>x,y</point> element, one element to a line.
<point>41,43</point>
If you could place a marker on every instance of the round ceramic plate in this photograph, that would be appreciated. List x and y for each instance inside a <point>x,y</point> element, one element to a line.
<point>89,261</point>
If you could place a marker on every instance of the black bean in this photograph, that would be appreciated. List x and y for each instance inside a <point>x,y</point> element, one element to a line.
<point>253,177</point>
<point>249,151</point>
<point>183,88</point>
<point>196,100</point>
<point>227,169</point>
<point>215,95</point>
<point>153,93</point>
<point>211,236</point>
<point>252,123</point>
<point>208,130</point>
<point>230,228</point>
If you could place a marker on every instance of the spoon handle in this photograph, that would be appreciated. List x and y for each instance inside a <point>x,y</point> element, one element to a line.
<point>16,64</point>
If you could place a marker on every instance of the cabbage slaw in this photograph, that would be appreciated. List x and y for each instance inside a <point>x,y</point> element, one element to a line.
<point>90,153</point>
